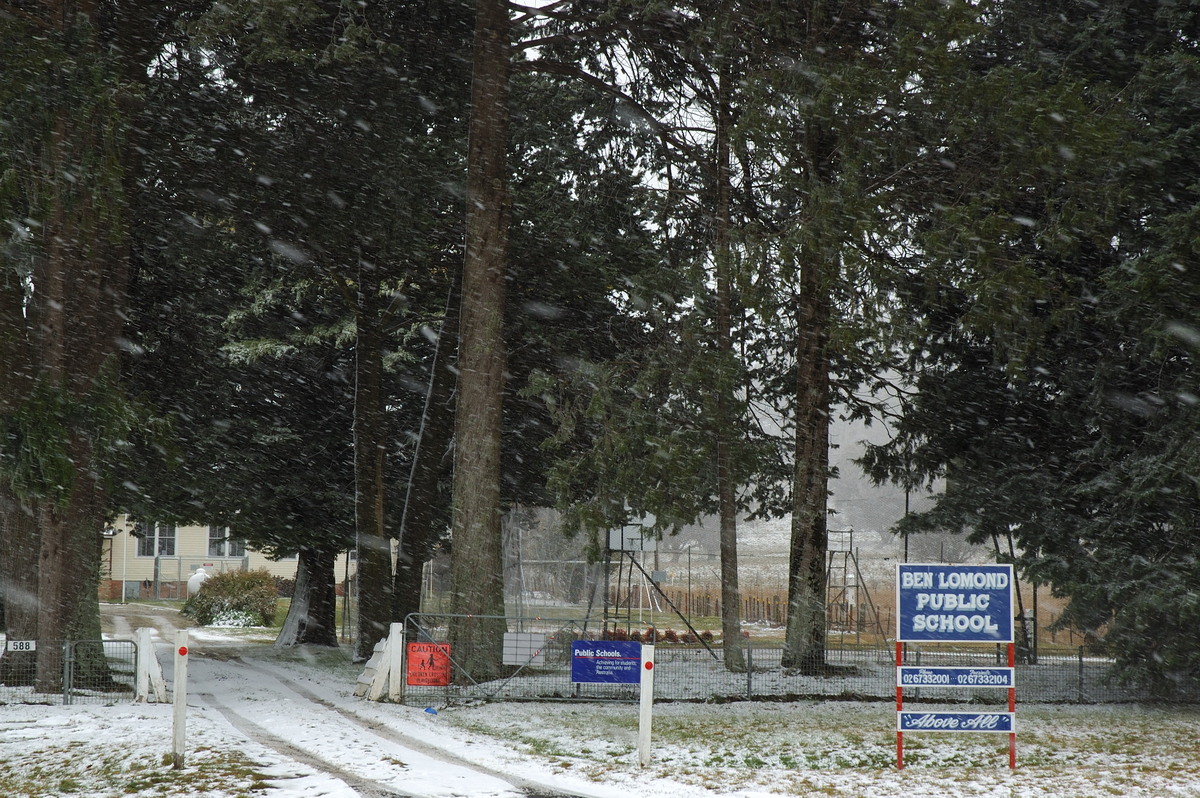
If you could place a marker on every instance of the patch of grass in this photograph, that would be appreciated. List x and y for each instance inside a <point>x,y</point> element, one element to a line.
<point>117,775</point>
<point>847,749</point>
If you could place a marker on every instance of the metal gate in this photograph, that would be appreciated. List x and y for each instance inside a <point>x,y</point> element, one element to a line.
<point>99,671</point>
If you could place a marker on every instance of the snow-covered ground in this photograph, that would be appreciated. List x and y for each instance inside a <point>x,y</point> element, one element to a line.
<point>289,727</point>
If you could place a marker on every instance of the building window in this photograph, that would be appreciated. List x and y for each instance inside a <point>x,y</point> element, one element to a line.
<point>145,538</point>
<point>155,541</point>
<point>221,545</point>
<point>166,539</point>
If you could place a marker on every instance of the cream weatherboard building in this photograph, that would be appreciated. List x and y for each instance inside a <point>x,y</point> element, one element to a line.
<point>152,560</point>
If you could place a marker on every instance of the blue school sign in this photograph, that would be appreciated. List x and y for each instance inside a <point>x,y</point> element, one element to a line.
<point>954,603</point>
<point>606,662</point>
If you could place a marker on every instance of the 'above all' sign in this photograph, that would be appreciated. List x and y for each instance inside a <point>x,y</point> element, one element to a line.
<point>954,603</point>
<point>606,662</point>
<point>956,721</point>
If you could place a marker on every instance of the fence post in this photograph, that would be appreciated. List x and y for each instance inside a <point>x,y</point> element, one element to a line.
<point>1081,674</point>
<point>149,675</point>
<point>144,650</point>
<point>396,652</point>
<point>68,671</point>
<point>749,671</point>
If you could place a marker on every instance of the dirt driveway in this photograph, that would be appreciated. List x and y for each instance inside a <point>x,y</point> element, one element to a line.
<point>309,717</point>
<point>120,620</point>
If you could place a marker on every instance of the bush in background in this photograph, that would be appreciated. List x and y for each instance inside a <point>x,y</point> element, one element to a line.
<point>234,598</point>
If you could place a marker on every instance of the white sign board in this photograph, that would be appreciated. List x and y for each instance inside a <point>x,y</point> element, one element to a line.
<point>524,648</point>
<point>631,538</point>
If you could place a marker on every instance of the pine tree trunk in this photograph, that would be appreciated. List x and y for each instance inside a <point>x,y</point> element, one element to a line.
<point>373,547</point>
<point>731,621</point>
<point>18,585</point>
<point>19,541</point>
<point>477,567</point>
<point>804,643</point>
<point>312,615</point>
<point>76,315</point>
<point>64,382</point>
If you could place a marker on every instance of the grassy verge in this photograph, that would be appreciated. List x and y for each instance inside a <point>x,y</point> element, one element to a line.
<point>59,769</point>
<point>849,749</point>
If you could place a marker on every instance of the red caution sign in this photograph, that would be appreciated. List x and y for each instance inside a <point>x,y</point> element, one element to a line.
<point>428,664</point>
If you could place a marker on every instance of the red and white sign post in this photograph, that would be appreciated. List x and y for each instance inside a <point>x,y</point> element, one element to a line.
<point>955,604</point>
<point>646,705</point>
<point>181,652</point>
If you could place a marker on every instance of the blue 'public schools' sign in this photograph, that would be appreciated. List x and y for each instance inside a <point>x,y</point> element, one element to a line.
<point>954,603</point>
<point>606,662</point>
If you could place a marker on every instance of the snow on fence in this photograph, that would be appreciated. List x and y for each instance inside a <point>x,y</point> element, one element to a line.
<point>692,672</point>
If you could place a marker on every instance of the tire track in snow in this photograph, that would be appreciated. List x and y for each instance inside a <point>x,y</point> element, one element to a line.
<point>531,789</point>
<point>410,756</point>
<point>366,788</point>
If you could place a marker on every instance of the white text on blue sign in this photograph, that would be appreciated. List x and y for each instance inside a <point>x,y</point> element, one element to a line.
<point>914,676</point>
<point>955,603</point>
<point>607,662</point>
<point>956,721</point>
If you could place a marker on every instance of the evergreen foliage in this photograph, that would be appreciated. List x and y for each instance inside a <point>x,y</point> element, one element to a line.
<point>1054,356</point>
<point>710,227</point>
<point>68,105</point>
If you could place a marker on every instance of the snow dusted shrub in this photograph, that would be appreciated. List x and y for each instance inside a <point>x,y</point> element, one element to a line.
<point>234,598</point>
<point>234,618</point>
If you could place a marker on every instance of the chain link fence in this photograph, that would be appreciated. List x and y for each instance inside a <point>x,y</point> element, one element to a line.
<point>171,574</point>
<point>94,672</point>
<point>539,668</point>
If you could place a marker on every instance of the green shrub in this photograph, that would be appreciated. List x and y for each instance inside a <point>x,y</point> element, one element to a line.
<point>234,598</point>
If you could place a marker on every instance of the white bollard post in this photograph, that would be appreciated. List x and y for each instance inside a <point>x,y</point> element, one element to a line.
<point>181,655</point>
<point>145,651</point>
<point>647,705</point>
<point>396,666</point>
